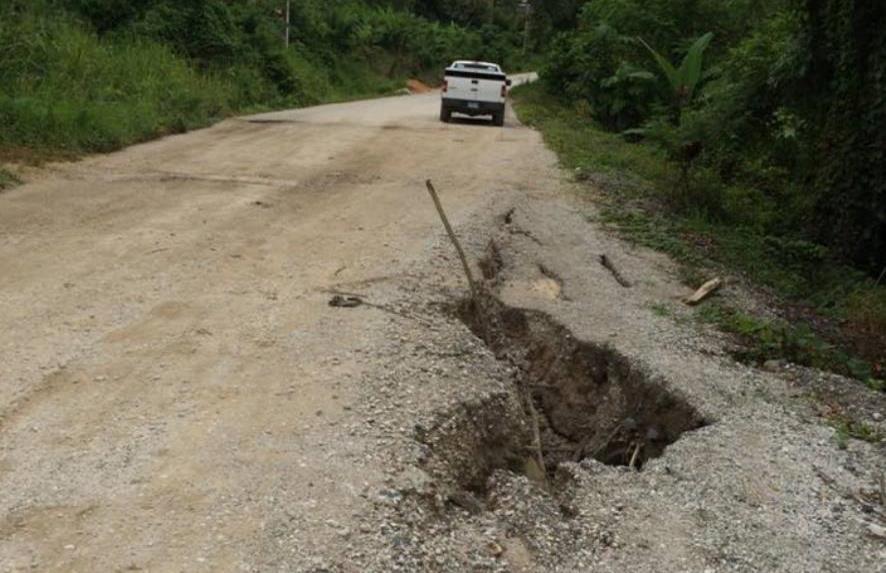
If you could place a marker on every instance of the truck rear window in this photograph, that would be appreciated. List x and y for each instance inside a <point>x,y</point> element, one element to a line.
<point>477,75</point>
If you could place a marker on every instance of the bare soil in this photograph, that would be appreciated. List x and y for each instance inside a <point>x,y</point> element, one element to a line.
<point>178,394</point>
<point>418,87</point>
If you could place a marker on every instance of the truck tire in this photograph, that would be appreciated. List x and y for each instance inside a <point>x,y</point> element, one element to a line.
<point>445,114</point>
<point>498,118</point>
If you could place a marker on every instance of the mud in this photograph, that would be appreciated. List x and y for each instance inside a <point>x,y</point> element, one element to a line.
<point>592,401</point>
<point>570,400</point>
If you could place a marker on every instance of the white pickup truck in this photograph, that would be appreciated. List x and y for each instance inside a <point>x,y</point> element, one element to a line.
<point>474,88</point>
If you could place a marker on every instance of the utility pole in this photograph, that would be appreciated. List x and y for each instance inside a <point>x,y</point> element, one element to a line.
<point>287,22</point>
<point>526,6</point>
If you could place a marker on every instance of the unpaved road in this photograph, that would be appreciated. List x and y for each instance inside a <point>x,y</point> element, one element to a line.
<point>176,394</point>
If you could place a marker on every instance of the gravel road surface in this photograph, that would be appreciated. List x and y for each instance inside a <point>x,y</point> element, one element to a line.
<point>177,393</point>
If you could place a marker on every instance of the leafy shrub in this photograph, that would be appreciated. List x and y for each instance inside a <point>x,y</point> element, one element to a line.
<point>791,113</point>
<point>626,96</point>
<point>605,50</point>
<point>70,90</point>
<point>589,65</point>
<point>204,30</point>
<point>776,340</point>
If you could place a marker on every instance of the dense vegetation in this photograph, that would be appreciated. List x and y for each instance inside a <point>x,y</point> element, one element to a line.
<point>756,130</point>
<point>83,75</point>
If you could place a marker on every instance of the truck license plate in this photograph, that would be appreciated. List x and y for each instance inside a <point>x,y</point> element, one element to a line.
<point>473,105</point>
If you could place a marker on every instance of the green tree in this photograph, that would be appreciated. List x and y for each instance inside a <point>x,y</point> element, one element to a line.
<point>685,80</point>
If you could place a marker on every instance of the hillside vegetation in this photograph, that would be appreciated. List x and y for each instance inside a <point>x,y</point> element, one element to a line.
<point>745,134</point>
<point>94,75</point>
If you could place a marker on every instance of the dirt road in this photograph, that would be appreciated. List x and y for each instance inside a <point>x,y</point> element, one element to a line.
<point>176,394</point>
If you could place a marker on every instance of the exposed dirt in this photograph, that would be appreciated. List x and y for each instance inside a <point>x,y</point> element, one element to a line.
<point>590,401</point>
<point>418,87</point>
<point>178,393</point>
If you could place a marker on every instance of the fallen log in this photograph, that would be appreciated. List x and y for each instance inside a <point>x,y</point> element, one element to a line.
<point>704,291</point>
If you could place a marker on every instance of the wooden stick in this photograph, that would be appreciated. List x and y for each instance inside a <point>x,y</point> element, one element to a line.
<point>475,294</point>
<point>604,260</point>
<point>536,435</point>
<point>705,291</point>
<point>883,489</point>
<point>634,457</point>
<point>579,450</point>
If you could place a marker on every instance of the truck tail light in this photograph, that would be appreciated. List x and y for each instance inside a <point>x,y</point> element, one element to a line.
<point>504,90</point>
<point>445,86</point>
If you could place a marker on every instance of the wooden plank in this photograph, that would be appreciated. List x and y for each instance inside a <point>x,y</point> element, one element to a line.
<point>705,291</point>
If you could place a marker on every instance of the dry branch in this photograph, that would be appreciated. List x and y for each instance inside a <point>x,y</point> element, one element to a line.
<point>536,435</point>
<point>475,294</point>
<point>705,291</point>
<point>475,290</point>
<point>633,463</point>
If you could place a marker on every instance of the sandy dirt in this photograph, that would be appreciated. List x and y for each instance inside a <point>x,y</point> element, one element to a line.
<point>176,393</point>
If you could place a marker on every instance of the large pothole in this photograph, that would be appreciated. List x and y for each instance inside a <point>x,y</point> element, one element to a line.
<point>586,400</point>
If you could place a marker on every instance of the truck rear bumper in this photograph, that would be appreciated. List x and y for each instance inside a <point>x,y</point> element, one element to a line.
<point>472,108</point>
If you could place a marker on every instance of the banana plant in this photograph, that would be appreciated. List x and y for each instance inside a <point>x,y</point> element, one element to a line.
<point>683,80</point>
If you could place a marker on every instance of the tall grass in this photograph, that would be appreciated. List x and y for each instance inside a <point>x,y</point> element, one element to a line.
<point>66,90</point>
<point>62,87</point>
<point>79,76</point>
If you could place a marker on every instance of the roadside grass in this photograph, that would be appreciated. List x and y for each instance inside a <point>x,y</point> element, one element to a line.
<point>661,309</point>
<point>351,79</point>
<point>65,91</point>
<point>7,180</point>
<point>847,428</point>
<point>834,316</point>
<point>777,339</point>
